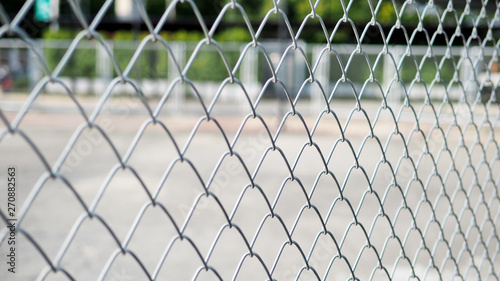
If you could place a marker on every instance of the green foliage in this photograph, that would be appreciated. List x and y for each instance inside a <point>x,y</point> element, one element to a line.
<point>332,11</point>
<point>428,72</point>
<point>123,35</point>
<point>152,64</point>
<point>59,34</point>
<point>253,8</point>
<point>184,35</point>
<point>410,16</point>
<point>153,61</point>
<point>123,56</point>
<point>209,65</point>
<point>328,10</point>
<point>264,8</point>
<point>431,19</point>
<point>236,34</point>
<point>81,64</point>
<point>340,37</point>
<point>386,14</point>
<point>21,83</point>
<point>360,12</point>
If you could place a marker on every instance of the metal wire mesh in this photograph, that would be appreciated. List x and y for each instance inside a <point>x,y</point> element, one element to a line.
<point>399,184</point>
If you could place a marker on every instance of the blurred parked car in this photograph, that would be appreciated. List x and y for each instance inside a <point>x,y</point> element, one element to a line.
<point>5,78</point>
<point>490,84</point>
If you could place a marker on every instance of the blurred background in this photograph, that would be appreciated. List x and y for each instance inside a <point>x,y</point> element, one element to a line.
<point>53,25</point>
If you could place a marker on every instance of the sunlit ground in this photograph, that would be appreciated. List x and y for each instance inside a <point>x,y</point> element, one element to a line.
<point>267,186</point>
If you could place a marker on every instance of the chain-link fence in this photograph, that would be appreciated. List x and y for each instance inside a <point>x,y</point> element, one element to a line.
<point>367,152</point>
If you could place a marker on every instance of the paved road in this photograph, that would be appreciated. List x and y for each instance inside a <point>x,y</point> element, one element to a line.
<point>118,197</point>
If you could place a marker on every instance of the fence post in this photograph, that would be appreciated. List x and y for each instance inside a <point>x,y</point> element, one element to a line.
<point>322,74</point>
<point>179,52</point>
<point>470,73</point>
<point>248,75</point>
<point>104,67</point>
<point>300,68</point>
<point>34,67</point>
<point>389,75</point>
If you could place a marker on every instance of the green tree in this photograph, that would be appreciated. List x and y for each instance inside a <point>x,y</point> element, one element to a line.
<point>332,11</point>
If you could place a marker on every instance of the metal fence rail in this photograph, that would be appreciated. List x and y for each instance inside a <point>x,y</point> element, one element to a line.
<point>298,162</point>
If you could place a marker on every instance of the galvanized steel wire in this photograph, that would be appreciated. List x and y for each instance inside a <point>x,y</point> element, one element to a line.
<point>457,241</point>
